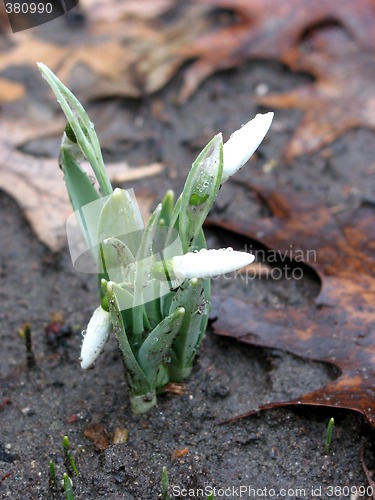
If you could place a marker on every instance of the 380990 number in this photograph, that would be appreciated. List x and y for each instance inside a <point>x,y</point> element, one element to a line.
<point>346,491</point>
<point>28,8</point>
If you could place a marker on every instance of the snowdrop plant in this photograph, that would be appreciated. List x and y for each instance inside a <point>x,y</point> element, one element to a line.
<point>154,281</point>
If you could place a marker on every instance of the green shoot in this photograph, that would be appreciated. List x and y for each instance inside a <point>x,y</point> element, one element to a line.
<point>69,461</point>
<point>164,484</point>
<point>68,487</point>
<point>52,474</point>
<point>330,427</point>
<point>25,333</point>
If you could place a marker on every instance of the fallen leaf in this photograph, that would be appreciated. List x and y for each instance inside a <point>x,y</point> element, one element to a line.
<point>342,98</point>
<point>29,50</point>
<point>72,419</point>
<point>265,29</point>
<point>133,55</point>
<point>106,10</point>
<point>339,326</point>
<point>175,388</point>
<point>10,91</point>
<point>153,52</point>
<point>108,59</point>
<point>97,434</point>
<point>120,436</point>
<point>135,48</point>
<point>179,453</point>
<point>38,186</point>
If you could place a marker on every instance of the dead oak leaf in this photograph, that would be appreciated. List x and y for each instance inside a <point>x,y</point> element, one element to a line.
<point>108,59</point>
<point>107,10</point>
<point>38,186</point>
<point>342,98</point>
<point>339,326</point>
<point>131,56</point>
<point>10,91</point>
<point>154,52</point>
<point>98,435</point>
<point>29,50</point>
<point>265,29</point>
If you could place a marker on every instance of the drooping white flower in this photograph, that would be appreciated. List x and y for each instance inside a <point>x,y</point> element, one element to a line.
<point>243,142</point>
<point>208,263</point>
<point>97,334</point>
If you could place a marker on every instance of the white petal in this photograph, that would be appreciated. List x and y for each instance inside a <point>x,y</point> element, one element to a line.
<point>207,263</point>
<point>96,336</point>
<point>243,142</point>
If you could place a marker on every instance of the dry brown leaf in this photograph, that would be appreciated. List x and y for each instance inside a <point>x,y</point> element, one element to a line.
<point>337,328</point>
<point>120,435</point>
<point>109,60</point>
<point>97,434</point>
<point>10,91</point>
<point>152,53</point>
<point>265,29</point>
<point>342,98</point>
<point>134,55</point>
<point>37,183</point>
<point>131,49</point>
<point>99,10</point>
<point>29,50</point>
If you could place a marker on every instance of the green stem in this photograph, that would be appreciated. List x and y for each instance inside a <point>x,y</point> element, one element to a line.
<point>143,403</point>
<point>178,373</point>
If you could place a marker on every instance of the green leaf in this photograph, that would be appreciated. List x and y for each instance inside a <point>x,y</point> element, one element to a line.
<point>200,190</point>
<point>80,188</point>
<point>167,205</point>
<point>120,218</point>
<point>157,345</point>
<point>118,261</point>
<point>173,223</point>
<point>81,193</point>
<point>68,487</point>
<point>152,307</point>
<point>330,427</point>
<point>143,264</point>
<point>68,457</point>
<point>137,378</point>
<point>165,303</point>
<point>52,474</point>
<point>81,126</point>
<point>145,247</point>
<point>164,484</point>
<point>189,296</point>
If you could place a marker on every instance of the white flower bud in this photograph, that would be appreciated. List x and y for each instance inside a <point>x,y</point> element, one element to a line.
<point>208,263</point>
<point>97,334</point>
<point>243,142</point>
